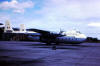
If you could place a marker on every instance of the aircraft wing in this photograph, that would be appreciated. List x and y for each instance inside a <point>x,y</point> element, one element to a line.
<point>45,33</point>
<point>38,31</point>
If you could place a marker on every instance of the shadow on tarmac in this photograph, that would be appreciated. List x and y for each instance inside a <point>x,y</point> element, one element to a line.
<point>20,63</point>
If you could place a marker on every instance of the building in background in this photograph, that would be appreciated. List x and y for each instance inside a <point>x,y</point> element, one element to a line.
<point>14,34</point>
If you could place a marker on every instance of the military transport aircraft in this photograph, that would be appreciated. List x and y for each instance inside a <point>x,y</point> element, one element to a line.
<point>72,37</point>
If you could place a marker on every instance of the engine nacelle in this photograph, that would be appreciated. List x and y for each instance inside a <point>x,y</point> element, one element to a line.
<point>34,38</point>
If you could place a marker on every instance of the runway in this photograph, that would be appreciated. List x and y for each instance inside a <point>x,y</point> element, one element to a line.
<point>15,53</point>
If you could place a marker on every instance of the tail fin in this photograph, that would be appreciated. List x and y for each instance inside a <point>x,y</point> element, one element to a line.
<point>22,28</point>
<point>8,28</point>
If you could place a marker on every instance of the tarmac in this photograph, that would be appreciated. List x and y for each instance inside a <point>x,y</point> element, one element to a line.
<point>16,53</point>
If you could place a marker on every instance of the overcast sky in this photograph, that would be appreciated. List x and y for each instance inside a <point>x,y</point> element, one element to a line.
<point>53,15</point>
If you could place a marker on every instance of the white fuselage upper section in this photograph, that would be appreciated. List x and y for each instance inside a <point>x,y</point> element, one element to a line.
<point>72,37</point>
<point>74,33</point>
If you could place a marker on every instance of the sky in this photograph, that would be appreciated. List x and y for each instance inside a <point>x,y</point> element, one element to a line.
<point>53,15</point>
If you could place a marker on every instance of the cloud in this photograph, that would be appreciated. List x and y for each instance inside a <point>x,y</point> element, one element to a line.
<point>4,17</point>
<point>94,24</point>
<point>16,6</point>
<point>71,9</point>
<point>67,14</point>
